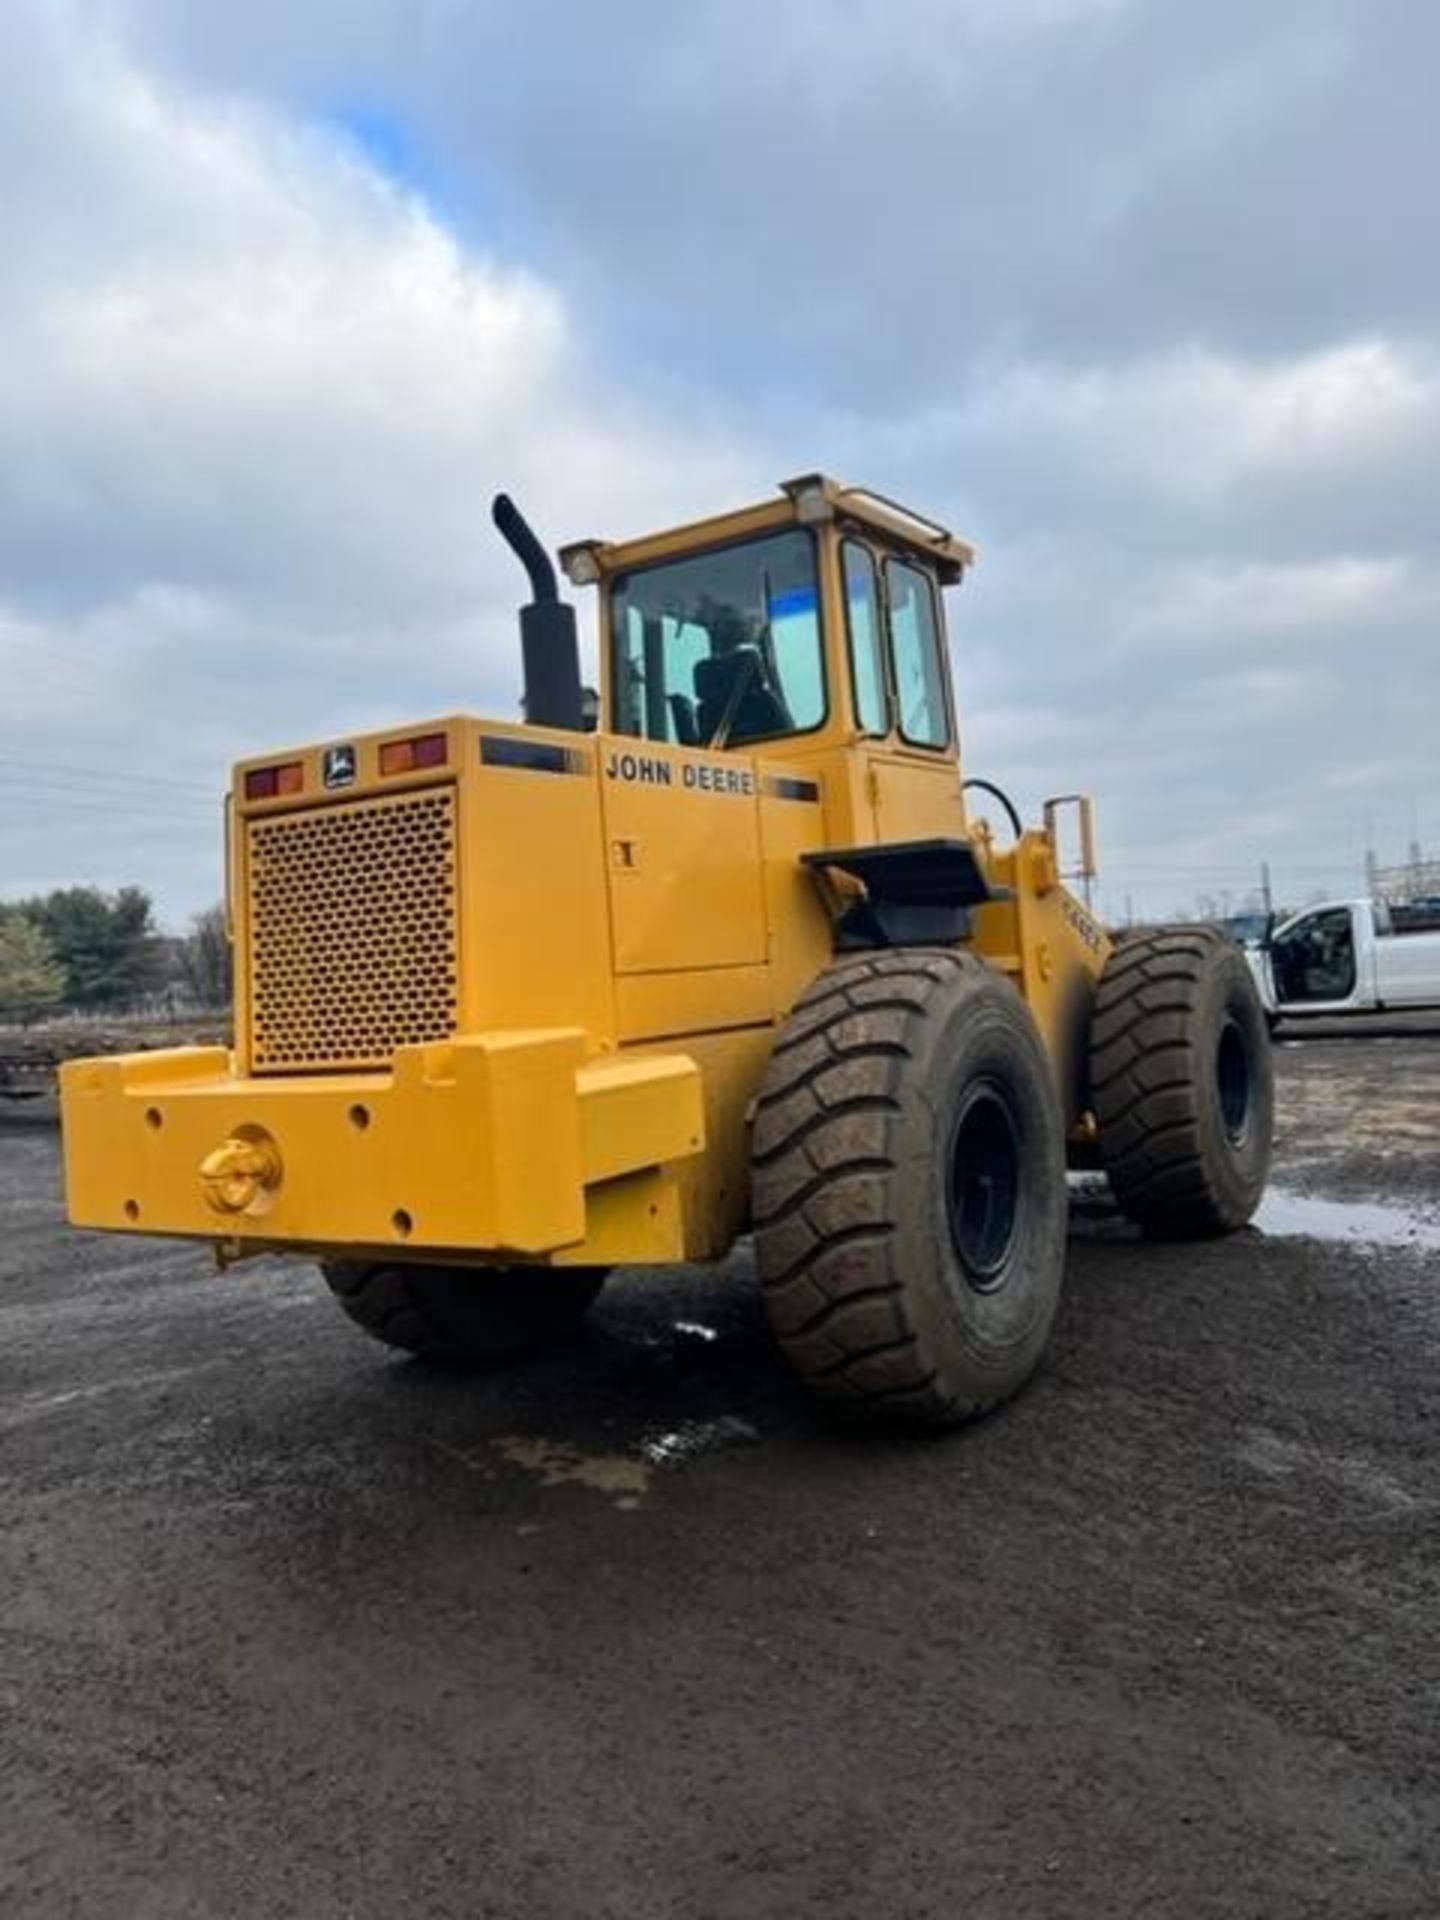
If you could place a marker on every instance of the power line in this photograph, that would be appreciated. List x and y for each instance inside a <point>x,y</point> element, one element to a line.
<point>52,655</point>
<point>117,799</point>
<point>97,804</point>
<point>109,776</point>
<point>1242,870</point>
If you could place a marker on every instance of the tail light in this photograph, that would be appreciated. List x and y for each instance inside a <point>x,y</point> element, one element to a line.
<point>410,756</point>
<point>268,783</point>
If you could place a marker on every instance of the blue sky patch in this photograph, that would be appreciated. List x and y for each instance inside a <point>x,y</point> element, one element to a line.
<point>386,141</point>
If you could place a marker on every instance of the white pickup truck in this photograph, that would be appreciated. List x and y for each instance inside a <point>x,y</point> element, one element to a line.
<point>1347,956</point>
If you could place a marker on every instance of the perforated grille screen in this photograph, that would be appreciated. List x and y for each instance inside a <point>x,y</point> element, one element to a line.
<point>352,931</point>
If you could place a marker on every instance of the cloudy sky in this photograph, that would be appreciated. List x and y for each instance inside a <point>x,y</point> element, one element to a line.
<point>1143,297</point>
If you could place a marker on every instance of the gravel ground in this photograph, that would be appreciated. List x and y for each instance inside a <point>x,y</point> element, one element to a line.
<point>289,1625</point>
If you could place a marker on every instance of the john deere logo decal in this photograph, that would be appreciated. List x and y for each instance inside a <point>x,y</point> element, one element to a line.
<point>338,769</point>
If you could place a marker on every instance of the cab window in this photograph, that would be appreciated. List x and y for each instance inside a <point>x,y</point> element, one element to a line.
<point>863,626</point>
<point>916,665</point>
<point>721,648</point>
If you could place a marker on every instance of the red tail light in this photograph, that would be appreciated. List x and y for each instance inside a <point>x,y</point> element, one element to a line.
<point>268,783</point>
<point>409,756</point>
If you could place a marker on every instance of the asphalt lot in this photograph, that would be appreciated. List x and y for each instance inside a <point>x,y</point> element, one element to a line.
<point>289,1625</point>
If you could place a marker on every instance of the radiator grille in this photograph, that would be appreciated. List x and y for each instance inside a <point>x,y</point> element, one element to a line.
<point>353,948</point>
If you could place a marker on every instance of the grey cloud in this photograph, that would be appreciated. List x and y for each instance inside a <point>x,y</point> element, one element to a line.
<point>864,203</point>
<point>252,407</point>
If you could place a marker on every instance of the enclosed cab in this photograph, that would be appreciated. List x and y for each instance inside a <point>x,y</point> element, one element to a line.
<point>517,1003</point>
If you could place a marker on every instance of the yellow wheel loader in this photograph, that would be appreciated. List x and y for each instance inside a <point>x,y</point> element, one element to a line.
<point>723,951</point>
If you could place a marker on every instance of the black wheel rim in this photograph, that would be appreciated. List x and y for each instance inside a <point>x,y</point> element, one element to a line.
<point>1232,1080</point>
<point>984,1185</point>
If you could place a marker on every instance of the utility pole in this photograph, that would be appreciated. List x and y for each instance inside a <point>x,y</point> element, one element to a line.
<point>1265,893</point>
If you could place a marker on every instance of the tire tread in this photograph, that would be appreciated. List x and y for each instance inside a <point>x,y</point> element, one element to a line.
<point>1145,1079</point>
<point>824,1250</point>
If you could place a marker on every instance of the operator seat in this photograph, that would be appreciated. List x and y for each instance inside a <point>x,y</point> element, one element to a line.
<point>758,710</point>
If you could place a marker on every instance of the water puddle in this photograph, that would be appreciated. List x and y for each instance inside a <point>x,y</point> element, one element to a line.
<point>694,1330</point>
<point>1282,1215</point>
<point>682,1444</point>
<point>624,1479</point>
<point>1363,1223</point>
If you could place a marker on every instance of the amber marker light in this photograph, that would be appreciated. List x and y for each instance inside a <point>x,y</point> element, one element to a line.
<point>269,783</point>
<point>412,756</point>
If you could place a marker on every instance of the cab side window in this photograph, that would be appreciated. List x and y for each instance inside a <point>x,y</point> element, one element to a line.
<point>915,656</point>
<point>863,624</point>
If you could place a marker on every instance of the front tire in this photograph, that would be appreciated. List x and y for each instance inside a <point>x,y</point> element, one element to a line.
<point>466,1316</point>
<point>908,1187</point>
<point>1183,1083</point>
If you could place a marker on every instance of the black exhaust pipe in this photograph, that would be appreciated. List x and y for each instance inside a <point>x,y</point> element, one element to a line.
<point>549,646</point>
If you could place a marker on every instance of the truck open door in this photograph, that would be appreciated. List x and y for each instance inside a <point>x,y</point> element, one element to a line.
<point>1314,962</point>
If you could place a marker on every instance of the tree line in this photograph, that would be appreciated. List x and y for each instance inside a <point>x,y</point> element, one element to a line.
<point>96,952</point>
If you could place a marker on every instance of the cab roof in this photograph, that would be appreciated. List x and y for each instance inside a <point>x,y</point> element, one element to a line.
<point>809,500</point>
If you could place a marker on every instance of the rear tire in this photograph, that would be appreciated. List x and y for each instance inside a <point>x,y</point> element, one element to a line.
<point>908,1187</point>
<point>463,1315</point>
<point>1183,1082</point>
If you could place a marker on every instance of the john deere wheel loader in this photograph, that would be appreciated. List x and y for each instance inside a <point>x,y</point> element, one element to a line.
<point>520,1003</point>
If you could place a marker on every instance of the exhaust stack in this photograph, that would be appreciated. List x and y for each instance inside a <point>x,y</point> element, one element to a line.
<point>549,647</point>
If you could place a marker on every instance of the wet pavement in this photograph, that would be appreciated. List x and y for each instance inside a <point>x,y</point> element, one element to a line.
<point>1363,1223</point>
<point>290,1625</point>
